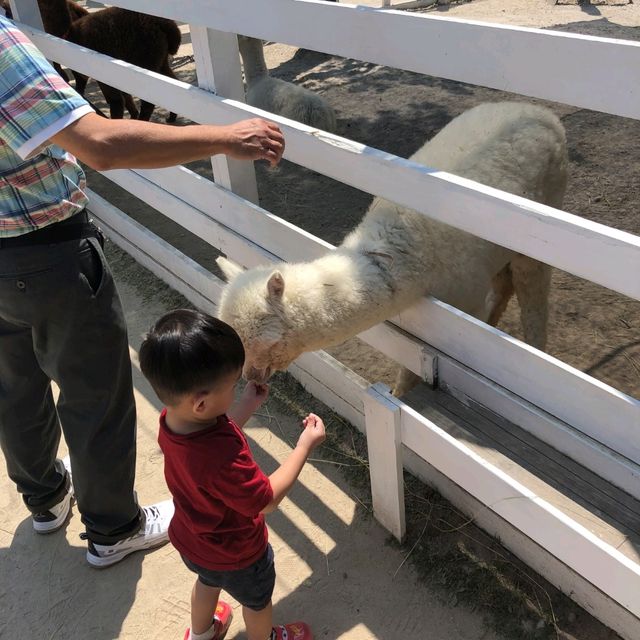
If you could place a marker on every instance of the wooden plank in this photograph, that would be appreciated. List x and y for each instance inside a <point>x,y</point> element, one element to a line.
<point>471,388</point>
<point>218,70</point>
<point>596,409</point>
<point>600,507</point>
<point>605,567</point>
<point>568,580</point>
<point>182,268</point>
<point>333,383</point>
<point>279,237</point>
<point>244,252</point>
<point>554,237</point>
<point>497,56</point>
<point>402,347</point>
<point>383,430</point>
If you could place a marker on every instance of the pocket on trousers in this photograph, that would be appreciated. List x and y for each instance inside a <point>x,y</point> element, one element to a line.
<point>92,266</point>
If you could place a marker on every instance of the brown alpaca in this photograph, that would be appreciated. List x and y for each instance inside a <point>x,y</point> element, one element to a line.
<point>146,41</point>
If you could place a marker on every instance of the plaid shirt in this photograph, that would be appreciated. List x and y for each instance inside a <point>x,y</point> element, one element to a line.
<point>39,182</point>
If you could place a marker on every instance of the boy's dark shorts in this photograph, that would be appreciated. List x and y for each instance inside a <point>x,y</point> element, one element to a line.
<point>251,587</point>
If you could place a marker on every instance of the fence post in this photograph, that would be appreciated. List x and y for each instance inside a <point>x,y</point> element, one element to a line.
<point>384,442</point>
<point>219,71</point>
<point>27,12</point>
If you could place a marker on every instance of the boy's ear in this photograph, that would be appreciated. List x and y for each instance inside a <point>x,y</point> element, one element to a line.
<point>230,269</point>
<point>199,402</point>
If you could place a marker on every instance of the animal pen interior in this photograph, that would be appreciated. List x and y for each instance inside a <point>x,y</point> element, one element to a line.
<point>542,455</point>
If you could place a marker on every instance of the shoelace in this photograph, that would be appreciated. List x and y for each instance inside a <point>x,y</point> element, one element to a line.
<point>152,513</point>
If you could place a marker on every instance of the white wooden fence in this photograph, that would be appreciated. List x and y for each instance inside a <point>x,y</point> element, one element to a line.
<point>591,422</point>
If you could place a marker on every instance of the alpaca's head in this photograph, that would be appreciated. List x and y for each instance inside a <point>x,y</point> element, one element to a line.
<point>253,304</point>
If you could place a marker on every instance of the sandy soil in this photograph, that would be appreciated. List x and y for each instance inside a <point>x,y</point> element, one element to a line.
<point>329,551</point>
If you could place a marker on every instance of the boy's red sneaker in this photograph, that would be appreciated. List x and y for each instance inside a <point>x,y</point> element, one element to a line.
<point>222,621</point>
<point>293,631</point>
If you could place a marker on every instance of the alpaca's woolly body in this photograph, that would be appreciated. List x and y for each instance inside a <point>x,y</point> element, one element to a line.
<point>397,255</point>
<point>280,97</point>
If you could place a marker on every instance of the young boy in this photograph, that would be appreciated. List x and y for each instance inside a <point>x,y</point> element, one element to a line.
<point>193,362</point>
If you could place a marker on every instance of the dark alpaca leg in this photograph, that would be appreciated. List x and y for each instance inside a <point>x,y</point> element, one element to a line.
<point>63,74</point>
<point>130,103</point>
<point>146,109</point>
<point>166,70</point>
<point>81,82</point>
<point>115,99</point>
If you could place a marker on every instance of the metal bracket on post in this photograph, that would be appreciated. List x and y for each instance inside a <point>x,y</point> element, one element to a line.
<point>219,71</point>
<point>429,363</point>
<point>384,442</point>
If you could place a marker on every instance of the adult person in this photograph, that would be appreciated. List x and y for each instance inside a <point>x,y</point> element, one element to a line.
<point>60,315</point>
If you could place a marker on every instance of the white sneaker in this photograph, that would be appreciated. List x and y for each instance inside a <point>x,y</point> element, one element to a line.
<point>53,519</point>
<point>154,533</point>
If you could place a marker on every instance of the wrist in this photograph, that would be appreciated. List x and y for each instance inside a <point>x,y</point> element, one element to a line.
<point>304,449</point>
<point>219,138</point>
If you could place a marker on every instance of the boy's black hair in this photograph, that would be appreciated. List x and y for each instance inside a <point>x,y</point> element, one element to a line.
<point>187,351</point>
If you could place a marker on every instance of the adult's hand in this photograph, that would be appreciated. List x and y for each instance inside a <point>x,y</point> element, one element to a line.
<point>255,139</point>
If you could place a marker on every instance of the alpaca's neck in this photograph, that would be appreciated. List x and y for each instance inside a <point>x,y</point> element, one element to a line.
<point>253,62</point>
<point>344,293</point>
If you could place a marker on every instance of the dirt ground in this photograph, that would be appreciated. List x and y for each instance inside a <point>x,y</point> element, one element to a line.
<point>329,551</point>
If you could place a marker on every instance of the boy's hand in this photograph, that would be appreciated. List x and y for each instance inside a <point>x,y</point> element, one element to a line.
<point>313,433</point>
<point>253,396</point>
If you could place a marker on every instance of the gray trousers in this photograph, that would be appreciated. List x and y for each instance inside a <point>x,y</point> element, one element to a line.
<point>61,319</point>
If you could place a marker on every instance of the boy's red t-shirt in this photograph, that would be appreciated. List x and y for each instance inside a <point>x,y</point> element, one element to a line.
<point>218,492</point>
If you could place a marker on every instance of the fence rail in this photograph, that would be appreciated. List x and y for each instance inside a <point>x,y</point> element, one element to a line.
<point>555,237</point>
<point>484,54</point>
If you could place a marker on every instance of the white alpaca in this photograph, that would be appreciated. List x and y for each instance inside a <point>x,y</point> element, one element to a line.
<point>396,255</point>
<point>280,97</point>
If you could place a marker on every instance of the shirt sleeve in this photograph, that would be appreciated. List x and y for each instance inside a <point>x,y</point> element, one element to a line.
<point>35,102</point>
<point>240,483</point>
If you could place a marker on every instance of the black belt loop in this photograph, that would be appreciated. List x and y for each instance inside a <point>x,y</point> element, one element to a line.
<point>75,228</point>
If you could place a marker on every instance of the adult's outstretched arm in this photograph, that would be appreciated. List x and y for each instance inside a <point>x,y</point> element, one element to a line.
<point>134,144</point>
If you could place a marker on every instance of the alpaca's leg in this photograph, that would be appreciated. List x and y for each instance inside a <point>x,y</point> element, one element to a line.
<point>532,281</point>
<point>146,109</point>
<point>61,72</point>
<point>502,290</point>
<point>81,82</point>
<point>115,100</point>
<point>166,70</point>
<point>130,104</point>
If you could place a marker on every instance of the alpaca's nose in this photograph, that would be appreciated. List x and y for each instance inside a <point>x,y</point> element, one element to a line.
<point>257,375</point>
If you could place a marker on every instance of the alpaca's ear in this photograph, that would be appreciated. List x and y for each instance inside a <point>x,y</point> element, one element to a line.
<point>230,269</point>
<point>275,286</point>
